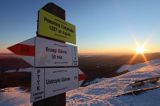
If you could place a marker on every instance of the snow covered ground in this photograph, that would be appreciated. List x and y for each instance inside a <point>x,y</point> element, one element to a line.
<point>21,70</point>
<point>105,92</point>
<point>96,80</point>
<point>14,96</point>
<point>139,65</point>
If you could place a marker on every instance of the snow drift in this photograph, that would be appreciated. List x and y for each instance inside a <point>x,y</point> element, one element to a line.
<point>110,91</point>
<point>139,87</point>
<point>138,66</point>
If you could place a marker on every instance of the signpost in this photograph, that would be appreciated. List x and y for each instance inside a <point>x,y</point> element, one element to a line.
<point>48,82</point>
<point>42,52</point>
<point>25,49</point>
<point>55,28</point>
<point>51,53</point>
<point>55,64</point>
<point>37,84</point>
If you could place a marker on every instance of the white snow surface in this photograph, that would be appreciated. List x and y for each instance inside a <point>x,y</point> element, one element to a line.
<point>21,70</point>
<point>138,66</point>
<point>124,68</point>
<point>14,96</point>
<point>96,80</point>
<point>104,93</point>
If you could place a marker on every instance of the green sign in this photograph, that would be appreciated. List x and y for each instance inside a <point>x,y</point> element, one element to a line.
<point>53,27</point>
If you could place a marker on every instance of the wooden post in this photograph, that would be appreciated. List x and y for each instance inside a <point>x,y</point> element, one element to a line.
<point>58,100</point>
<point>55,10</point>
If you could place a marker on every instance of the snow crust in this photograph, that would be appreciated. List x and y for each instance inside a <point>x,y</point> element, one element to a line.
<point>106,91</point>
<point>14,96</point>
<point>138,66</point>
<point>21,70</point>
<point>94,81</point>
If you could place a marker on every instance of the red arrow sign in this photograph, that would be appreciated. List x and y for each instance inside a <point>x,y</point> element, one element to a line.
<point>25,49</point>
<point>39,52</point>
<point>81,77</point>
<point>22,49</point>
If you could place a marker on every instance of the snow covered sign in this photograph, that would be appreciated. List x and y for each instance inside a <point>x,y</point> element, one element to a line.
<point>41,52</point>
<point>48,82</point>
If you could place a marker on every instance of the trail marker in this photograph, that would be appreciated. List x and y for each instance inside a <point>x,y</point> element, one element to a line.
<point>55,28</point>
<point>55,64</point>
<point>48,82</point>
<point>51,53</point>
<point>25,49</point>
<point>41,52</point>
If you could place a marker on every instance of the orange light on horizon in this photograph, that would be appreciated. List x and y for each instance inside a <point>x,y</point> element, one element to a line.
<point>4,50</point>
<point>114,51</point>
<point>141,50</point>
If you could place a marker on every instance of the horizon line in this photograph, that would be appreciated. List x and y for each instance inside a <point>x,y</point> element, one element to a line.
<point>114,53</point>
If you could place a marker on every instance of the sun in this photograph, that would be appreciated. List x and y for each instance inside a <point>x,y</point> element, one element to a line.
<point>140,50</point>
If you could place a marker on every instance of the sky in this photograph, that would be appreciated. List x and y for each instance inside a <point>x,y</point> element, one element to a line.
<point>102,26</point>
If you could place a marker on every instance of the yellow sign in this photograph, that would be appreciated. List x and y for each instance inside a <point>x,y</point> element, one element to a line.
<point>56,28</point>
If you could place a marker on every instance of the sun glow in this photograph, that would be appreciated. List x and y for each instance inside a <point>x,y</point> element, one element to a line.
<point>140,50</point>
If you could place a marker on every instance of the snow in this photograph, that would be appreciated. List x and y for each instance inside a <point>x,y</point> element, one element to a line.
<point>14,96</point>
<point>105,92</point>
<point>154,62</point>
<point>123,68</point>
<point>138,66</point>
<point>21,70</point>
<point>26,70</point>
<point>96,80</point>
<point>149,98</point>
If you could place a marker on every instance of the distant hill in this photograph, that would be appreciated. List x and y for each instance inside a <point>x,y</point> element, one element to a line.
<point>106,66</point>
<point>93,66</point>
<point>10,61</point>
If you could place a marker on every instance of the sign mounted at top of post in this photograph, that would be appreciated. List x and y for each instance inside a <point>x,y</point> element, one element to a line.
<point>55,28</point>
<point>55,64</point>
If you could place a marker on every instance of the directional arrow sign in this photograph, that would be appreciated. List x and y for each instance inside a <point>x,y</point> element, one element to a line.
<point>22,49</point>
<point>42,52</point>
<point>52,53</point>
<point>26,49</point>
<point>47,82</point>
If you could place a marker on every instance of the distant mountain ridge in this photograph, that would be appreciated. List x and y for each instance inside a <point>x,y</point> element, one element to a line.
<point>106,65</point>
<point>93,66</point>
<point>10,61</point>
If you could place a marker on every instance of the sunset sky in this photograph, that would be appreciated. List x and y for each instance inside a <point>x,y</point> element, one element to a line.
<point>102,26</point>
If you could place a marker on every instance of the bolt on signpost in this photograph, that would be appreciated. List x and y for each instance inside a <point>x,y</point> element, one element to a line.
<point>55,63</point>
